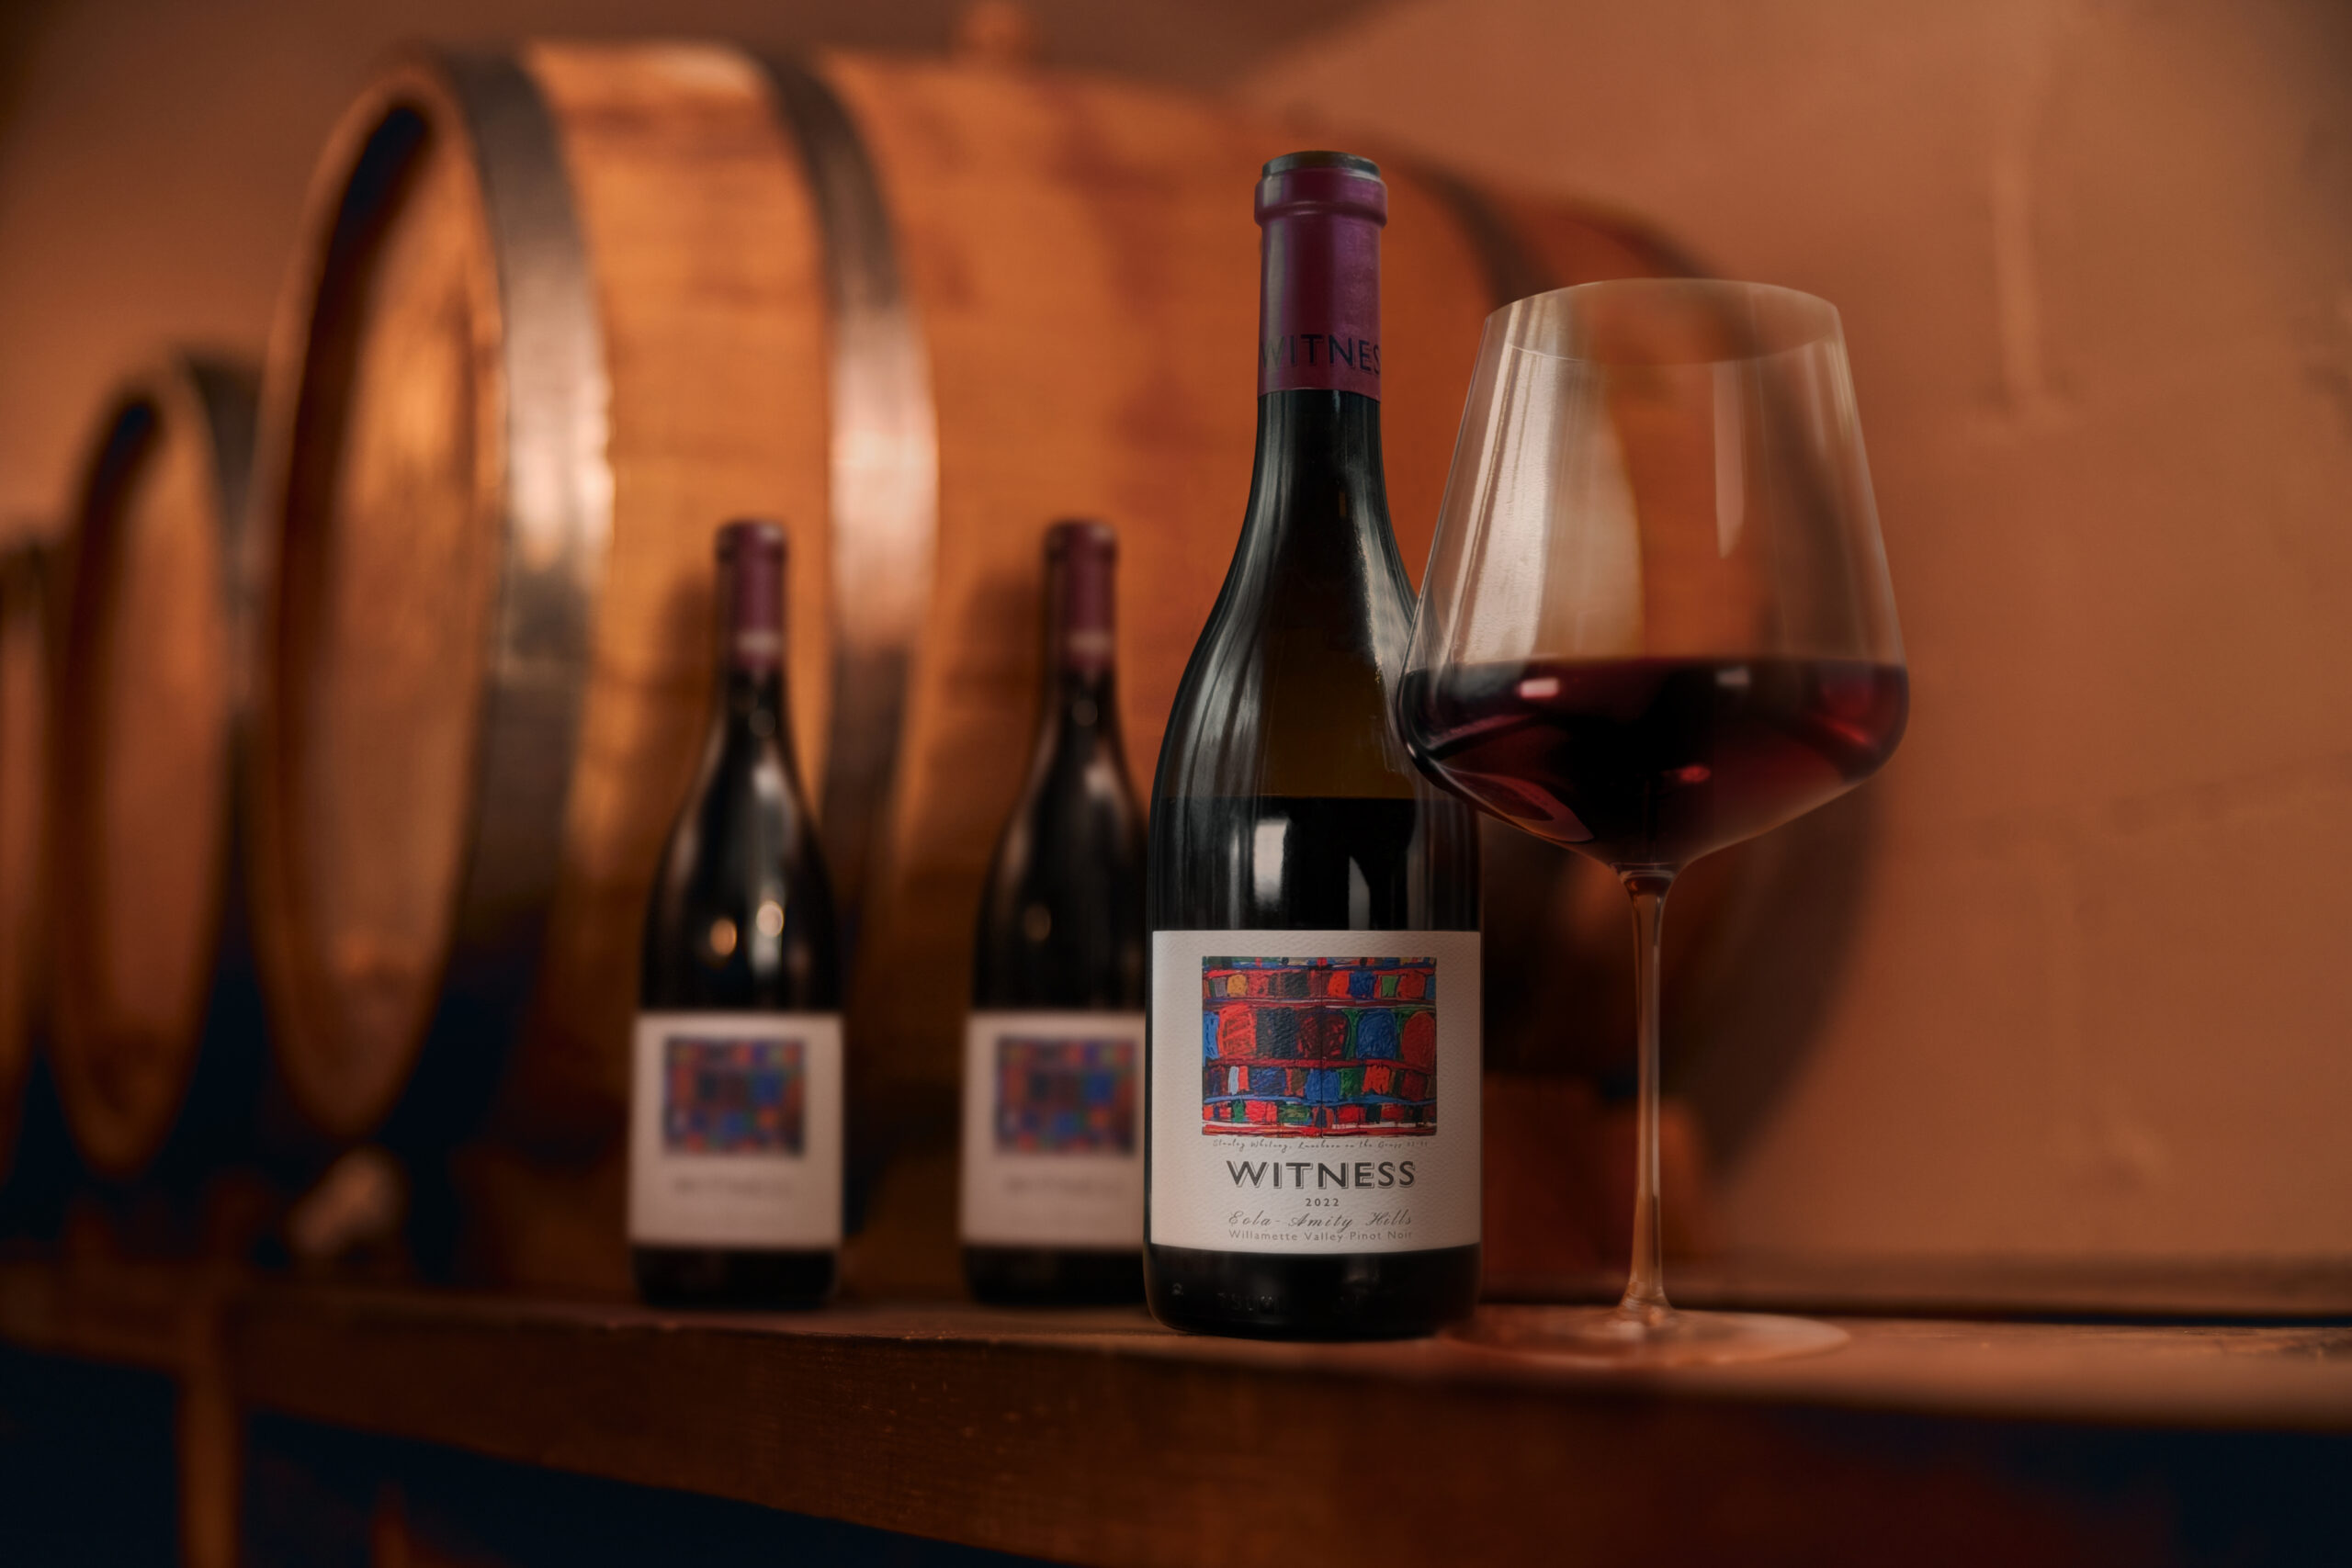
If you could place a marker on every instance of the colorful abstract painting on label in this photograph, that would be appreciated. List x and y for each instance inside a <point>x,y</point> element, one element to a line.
<point>1065,1096</point>
<point>1318,1047</point>
<point>733,1097</point>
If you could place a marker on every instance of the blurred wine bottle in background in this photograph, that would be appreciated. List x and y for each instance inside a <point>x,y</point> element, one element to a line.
<point>1052,1192</point>
<point>1314,1077</point>
<point>735,1112</point>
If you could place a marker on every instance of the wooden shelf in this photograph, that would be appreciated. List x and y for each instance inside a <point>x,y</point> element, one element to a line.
<point>1097,1437</point>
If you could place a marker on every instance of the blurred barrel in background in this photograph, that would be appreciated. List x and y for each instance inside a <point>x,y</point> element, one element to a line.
<point>562,313</point>
<point>27,645</point>
<point>552,326</point>
<point>155,1036</point>
<point>557,317</point>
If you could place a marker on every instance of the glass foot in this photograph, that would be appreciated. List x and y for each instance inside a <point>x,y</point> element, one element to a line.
<point>1657,1336</point>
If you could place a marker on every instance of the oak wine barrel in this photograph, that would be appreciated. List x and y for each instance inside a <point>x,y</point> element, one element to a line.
<point>27,646</point>
<point>560,312</point>
<point>556,320</point>
<point>155,1038</point>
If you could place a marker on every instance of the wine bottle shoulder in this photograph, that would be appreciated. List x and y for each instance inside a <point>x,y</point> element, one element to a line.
<point>1287,693</point>
<point>1298,808</point>
<point>1287,688</point>
<point>1061,914</point>
<point>741,913</point>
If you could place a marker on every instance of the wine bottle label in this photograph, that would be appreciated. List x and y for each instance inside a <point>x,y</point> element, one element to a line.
<point>735,1130</point>
<point>1052,1144</point>
<point>1315,1091</point>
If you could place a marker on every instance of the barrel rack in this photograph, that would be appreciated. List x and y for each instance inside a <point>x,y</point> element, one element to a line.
<point>1095,1437</point>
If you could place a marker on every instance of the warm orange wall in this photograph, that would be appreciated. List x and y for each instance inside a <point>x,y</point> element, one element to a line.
<point>2096,263</point>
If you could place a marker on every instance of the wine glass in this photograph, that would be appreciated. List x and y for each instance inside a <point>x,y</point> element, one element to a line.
<point>1657,621</point>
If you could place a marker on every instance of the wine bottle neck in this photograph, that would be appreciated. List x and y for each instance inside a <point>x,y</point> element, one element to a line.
<point>1076,704</point>
<point>1078,709</point>
<point>1318,469</point>
<point>1317,483</point>
<point>748,692</point>
<point>1079,633</point>
<point>1080,712</point>
<point>1319,299</point>
<point>751,660</point>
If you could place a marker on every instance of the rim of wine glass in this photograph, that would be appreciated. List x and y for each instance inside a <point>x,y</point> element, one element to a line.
<point>1812,321</point>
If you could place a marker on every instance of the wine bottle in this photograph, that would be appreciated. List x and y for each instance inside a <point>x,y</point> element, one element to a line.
<point>1312,1143</point>
<point>1051,1200</point>
<point>735,1116</point>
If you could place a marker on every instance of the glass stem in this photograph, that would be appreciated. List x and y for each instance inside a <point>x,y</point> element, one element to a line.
<point>1646,1286</point>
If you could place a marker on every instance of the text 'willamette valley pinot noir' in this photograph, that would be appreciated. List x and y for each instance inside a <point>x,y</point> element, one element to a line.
<point>1314,1088</point>
<point>1053,1060</point>
<point>735,1104</point>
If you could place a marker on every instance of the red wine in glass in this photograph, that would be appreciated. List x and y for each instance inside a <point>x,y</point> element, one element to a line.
<point>1654,762</point>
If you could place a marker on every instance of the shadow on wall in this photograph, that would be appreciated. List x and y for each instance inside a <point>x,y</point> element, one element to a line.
<point>1759,938</point>
<point>1747,1037</point>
